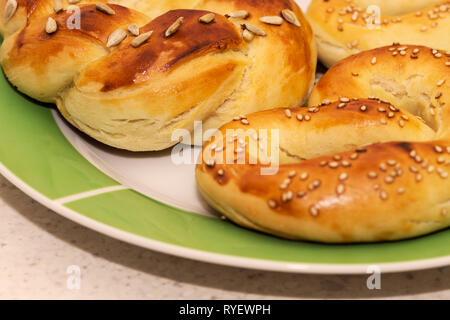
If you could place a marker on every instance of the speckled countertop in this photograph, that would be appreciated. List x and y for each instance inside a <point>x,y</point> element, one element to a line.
<point>37,246</point>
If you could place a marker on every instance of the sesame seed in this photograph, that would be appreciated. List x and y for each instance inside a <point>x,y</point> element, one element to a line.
<point>344,99</point>
<point>292,173</point>
<point>389,180</point>
<point>301,194</point>
<point>413,169</point>
<point>401,123</point>
<point>288,113</point>
<point>430,169</point>
<point>374,60</point>
<point>244,121</point>
<point>333,164</point>
<point>307,117</point>
<point>363,108</point>
<point>300,117</point>
<point>210,163</point>
<point>343,176</point>
<point>438,149</point>
<point>419,177</point>
<point>383,195</point>
<point>372,175</point>
<point>220,172</point>
<point>340,189</point>
<point>272,204</point>
<point>391,115</point>
<point>323,163</point>
<point>355,74</point>
<point>405,117</point>
<point>401,190</point>
<point>443,175</point>
<point>413,153</point>
<point>438,95</point>
<point>416,51</point>
<point>383,167</point>
<point>354,156</point>
<point>287,196</point>
<point>314,211</point>
<point>337,158</point>
<point>341,105</point>
<point>418,159</point>
<point>304,176</point>
<point>391,162</point>
<point>346,164</point>
<point>381,109</point>
<point>440,160</point>
<point>440,82</point>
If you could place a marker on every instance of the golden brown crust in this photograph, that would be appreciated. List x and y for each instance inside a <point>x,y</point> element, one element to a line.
<point>341,26</point>
<point>135,98</point>
<point>128,65</point>
<point>377,191</point>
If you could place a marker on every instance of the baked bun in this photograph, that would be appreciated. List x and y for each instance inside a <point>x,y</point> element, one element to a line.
<point>371,166</point>
<point>343,28</point>
<point>135,97</point>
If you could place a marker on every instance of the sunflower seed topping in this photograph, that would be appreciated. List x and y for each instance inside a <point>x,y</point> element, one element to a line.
<point>174,27</point>
<point>51,26</point>
<point>139,40</point>
<point>133,28</point>
<point>103,7</point>
<point>274,20</point>
<point>207,18</point>
<point>254,29</point>
<point>290,17</point>
<point>116,37</point>
<point>9,10</point>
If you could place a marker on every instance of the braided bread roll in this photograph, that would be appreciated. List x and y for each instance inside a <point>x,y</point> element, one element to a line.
<point>134,98</point>
<point>343,28</point>
<point>351,169</point>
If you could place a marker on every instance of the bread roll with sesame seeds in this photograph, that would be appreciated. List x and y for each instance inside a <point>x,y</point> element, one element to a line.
<point>135,97</point>
<point>357,169</point>
<point>342,27</point>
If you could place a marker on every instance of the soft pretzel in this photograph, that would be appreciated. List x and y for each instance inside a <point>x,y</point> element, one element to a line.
<point>135,96</point>
<point>353,170</point>
<point>346,27</point>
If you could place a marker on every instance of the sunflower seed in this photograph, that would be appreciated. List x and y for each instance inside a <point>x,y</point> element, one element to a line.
<point>240,14</point>
<point>116,37</point>
<point>141,39</point>
<point>174,27</point>
<point>57,6</point>
<point>247,35</point>
<point>51,26</point>
<point>133,28</point>
<point>10,9</point>
<point>290,17</point>
<point>275,20</point>
<point>207,18</point>
<point>103,7</point>
<point>254,29</point>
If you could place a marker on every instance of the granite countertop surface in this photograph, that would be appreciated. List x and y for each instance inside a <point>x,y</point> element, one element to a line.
<point>37,248</point>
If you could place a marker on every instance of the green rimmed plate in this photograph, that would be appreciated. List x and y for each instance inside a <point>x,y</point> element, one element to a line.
<point>60,168</point>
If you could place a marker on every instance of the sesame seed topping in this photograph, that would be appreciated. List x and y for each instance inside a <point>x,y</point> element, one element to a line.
<point>389,180</point>
<point>304,176</point>
<point>381,109</point>
<point>341,105</point>
<point>340,189</point>
<point>391,162</point>
<point>438,149</point>
<point>323,163</point>
<point>440,160</point>
<point>333,164</point>
<point>363,108</point>
<point>383,195</point>
<point>401,190</point>
<point>383,167</point>
<point>373,61</point>
<point>244,122</point>
<point>413,169</point>
<point>383,121</point>
<point>220,172</point>
<point>210,163</point>
<point>288,113</point>
<point>292,173</point>
<point>419,177</point>
<point>354,156</point>
<point>346,164</point>
<point>307,117</point>
<point>440,82</point>
<point>301,194</point>
<point>287,196</point>
<point>300,117</point>
<point>344,99</point>
<point>343,176</point>
<point>372,175</point>
<point>272,204</point>
<point>314,211</point>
